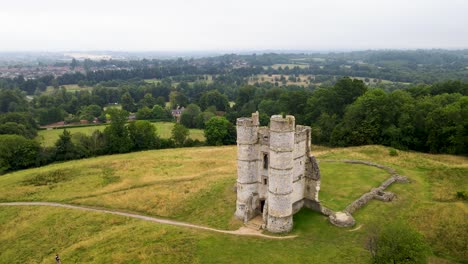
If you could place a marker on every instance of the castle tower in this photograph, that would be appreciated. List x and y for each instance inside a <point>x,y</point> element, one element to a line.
<point>247,178</point>
<point>280,187</point>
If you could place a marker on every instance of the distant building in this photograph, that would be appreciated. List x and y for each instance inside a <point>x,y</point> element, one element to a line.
<point>176,113</point>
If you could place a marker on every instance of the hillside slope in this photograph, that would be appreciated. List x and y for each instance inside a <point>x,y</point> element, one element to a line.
<point>196,185</point>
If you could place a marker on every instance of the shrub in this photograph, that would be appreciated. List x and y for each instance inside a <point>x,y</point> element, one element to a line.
<point>461,195</point>
<point>398,243</point>
<point>17,152</point>
<point>392,152</point>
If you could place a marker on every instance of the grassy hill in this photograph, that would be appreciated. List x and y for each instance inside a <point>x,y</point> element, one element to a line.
<point>49,137</point>
<point>196,185</point>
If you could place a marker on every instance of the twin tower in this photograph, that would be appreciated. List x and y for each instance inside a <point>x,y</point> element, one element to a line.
<point>276,175</point>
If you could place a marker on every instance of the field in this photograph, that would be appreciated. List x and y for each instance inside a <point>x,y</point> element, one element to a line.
<point>304,79</point>
<point>290,65</point>
<point>163,129</point>
<point>70,88</point>
<point>175,83</point>
<point>195,185</point>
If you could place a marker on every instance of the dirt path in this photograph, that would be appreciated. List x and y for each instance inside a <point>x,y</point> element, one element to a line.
<point>243,231</point>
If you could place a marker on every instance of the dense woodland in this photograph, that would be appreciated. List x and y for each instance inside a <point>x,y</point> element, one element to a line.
<point>423,106</point>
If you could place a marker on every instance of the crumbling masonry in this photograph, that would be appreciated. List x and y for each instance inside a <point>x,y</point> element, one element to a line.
<point>276,175</point>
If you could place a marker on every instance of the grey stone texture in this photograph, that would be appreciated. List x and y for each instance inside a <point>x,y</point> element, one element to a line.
<point>342,219</point>
<point>277,176</point>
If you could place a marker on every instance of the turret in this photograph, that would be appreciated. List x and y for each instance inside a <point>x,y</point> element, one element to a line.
<point>280,187</point>
<point>247,150</point>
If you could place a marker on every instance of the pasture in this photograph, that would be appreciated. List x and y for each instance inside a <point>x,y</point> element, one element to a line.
<point>163,129</point>
<point>195,185</point>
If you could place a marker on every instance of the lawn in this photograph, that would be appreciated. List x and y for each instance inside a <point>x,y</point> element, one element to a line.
<point>163,129</point>
<point>352,180</point>
<point>196,185</point>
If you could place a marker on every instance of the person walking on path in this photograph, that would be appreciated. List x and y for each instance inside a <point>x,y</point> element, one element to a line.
<point>57,259</point>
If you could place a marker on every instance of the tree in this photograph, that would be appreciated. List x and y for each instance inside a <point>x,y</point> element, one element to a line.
<point>94,144</point>
<point>17,152</point>
<point>178,99</point>
<point>159,113</point>
<point>144,113</point>
<point>161,101</point>
<point>127,102</point>
<point>143,135</point>
<point>219,131</point>
<point>269,107</point>
<point>73,64</point>
<point>116,134</point>
<point>12,101</point>
<point>189,116</point>
<point>20,119</point>
<point>398,243</point>
<point>50,115</point>
<point>148,101</point>
<point>13,128</point>
<point>94,110</point>
<point>214,98</point>
<point>179,134</point>
<point>66,149</point>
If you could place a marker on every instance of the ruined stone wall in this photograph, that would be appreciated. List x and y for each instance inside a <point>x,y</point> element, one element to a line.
<point>312,179</point>
<point>300,154</point>
<point>263,148</point>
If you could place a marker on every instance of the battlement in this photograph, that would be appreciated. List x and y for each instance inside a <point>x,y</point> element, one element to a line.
<point>279,123</point>
<point>249,121</point>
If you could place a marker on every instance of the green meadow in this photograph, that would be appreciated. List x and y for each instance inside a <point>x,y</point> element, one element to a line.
<point>163,129</point>
<point>195,185</point>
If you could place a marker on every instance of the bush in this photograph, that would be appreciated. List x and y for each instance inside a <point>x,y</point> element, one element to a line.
<point>398,243</point>
<point>461,195</point>
<point>219,131</point>
<point>17,152</point>
<point>392,152</point>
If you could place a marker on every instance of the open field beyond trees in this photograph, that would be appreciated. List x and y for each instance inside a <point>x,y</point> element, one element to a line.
<point>195,185</point>
<point>163,129</point>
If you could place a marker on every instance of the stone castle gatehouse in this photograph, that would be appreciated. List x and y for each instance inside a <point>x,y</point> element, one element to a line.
<point>276,175</point>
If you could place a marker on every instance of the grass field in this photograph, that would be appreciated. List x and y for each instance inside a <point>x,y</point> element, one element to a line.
<point>196,185</point>
<point>290,65</point>
<point>174,83</point>
<point>70,88</point>
<point>265,78</point>
<point>49,137</point>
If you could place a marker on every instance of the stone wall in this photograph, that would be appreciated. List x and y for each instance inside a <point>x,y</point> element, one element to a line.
<point>345,218</point>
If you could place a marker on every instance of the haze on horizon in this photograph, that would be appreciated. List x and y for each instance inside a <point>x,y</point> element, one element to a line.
<point>145,25</point>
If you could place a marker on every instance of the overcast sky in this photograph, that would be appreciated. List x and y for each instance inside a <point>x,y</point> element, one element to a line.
<point>234,25</point>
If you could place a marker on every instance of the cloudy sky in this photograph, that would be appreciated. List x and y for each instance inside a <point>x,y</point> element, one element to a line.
<point>234,25</point>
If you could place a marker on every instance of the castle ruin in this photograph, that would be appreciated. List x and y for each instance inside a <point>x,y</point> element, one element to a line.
<point>276,175</point>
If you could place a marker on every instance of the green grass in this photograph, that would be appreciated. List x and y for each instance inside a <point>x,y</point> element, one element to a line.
<point>342,183</point>
<point>175,83</point>
<point>49,137</point>
<point>196,185</point>
<point>70,88</point>
<point>290,65</point>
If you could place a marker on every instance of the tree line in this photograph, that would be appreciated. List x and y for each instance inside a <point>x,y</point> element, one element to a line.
<point>19,150</point>
<point>428,118</point>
